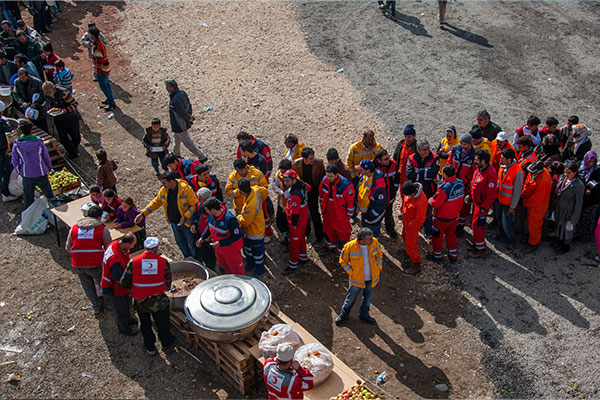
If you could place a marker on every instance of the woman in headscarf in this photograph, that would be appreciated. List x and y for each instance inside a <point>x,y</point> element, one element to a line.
<point>578,143</point>
<point>567,206</point>
<point>589,172</point>
<point>548,150</point>
<point>446,144</point>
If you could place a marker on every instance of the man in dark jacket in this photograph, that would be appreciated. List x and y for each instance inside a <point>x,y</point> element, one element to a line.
<point>311,171</point>
<point>180,112</point>
<point>490,129</point>
<point>31,48</point>
<point>333,158</point>
<point>67,123</point>
<point>7,69</point>
<point>28,93</point>
<point>5,165</point>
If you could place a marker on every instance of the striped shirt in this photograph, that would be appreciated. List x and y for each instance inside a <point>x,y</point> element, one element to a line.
<point>64,78</point>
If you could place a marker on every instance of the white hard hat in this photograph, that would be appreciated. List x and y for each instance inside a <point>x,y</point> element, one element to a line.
<point>285,352</point>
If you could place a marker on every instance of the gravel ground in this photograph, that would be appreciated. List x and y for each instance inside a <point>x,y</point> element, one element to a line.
<point>537,316</point>
<point>512,327</point>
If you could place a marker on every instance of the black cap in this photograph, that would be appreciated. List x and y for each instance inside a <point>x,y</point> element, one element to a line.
<point>409,188</point>
<point>476,133</point>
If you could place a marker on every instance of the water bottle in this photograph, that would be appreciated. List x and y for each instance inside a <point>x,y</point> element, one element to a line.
<point>381,378</point>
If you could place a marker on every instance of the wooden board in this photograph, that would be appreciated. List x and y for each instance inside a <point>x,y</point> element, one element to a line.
<point>341,378</point>
<point>70,213</point>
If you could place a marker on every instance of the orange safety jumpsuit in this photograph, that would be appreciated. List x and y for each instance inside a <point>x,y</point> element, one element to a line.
<point>414,211</point>
<point>536,197</point>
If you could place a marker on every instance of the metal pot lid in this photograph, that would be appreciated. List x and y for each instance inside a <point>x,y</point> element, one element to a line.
<point>227,303</point>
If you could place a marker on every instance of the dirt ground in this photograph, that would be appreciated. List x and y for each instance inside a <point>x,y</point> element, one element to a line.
<point>510,327</point>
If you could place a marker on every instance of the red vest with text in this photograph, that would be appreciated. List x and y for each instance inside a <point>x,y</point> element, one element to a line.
<point>113,255</point>
<point>148,278</point>
<point>87,249</point>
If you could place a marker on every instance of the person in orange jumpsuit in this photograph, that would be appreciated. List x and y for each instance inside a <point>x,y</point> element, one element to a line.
<point>536,197</point>
<point>414,212</point>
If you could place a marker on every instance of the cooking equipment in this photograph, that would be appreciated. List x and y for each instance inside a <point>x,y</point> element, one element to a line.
<point>177,302</point>
<point>228,308</point>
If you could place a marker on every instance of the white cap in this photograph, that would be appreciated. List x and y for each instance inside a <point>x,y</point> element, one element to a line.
<point>151,243</point>
<point>285,352</point>
<point>2,106</point>
<point>502,136</point>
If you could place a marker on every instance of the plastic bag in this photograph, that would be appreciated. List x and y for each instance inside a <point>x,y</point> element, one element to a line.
<point>316,359</point>
<point>33,221</point>
<point>278,334</point>
<point>15,184</point>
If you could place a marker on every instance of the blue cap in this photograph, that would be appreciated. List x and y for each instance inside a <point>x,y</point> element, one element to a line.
<point>410,130</point>
<point>366,164</point>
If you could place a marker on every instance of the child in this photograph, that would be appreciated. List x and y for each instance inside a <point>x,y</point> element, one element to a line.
<point>47,59</point>
<point>126,213</point>
<point>105,178</point>
<point>156,137</point>
<point>63,76</point>
<point>111,204</point>
<point>96,195</point>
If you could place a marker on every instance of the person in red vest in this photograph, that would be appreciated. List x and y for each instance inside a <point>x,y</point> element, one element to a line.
<point>203,178</point>
<point>225,237</point>
<point>286,378</point>
<point>296,211</point>
<point>116,258</point>
<point>484,192</point>
<point>447,203</point>
<point>149,276</point>
<point>336,196</point>
<point>86,242</point>
<point>414,213</point>
<point>404,149</point>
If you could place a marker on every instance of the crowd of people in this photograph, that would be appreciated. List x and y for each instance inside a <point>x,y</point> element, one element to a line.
<point>533,184</point>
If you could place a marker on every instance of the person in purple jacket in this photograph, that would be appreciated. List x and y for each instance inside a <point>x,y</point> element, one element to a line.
<point>31,160</point>
<point>126,213</point>
<point>125,216</point>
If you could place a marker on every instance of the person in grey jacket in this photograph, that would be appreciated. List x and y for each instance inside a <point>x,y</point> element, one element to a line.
<point>567,206</point>
<point>180,112</point>
<point>28,93</point>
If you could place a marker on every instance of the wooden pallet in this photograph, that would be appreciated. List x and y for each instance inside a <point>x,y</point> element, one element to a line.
<point>234,359</point>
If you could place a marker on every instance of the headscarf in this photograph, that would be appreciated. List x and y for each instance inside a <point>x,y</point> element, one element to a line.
<point>586,172</point>
<point>581,134</point>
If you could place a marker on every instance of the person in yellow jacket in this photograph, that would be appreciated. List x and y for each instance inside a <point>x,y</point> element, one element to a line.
<point>364,149</point>
<point>252,221</point>
<point>446,144</point>
<point>293,147</point>
<point>479,142</point>
<point>362,259</point>
<point>281,191</point>
<point>178,200</point>
<point>243,170</point>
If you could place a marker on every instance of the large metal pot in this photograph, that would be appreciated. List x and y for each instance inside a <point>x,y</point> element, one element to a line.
<point>228,308</point>
<point>177,302</point>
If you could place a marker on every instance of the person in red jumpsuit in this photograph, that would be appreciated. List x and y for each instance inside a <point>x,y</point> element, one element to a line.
<point>461,158</point>
<point>414,212</point>
<point>296,211</point>
<point>484,192</point>
<point>286,378</point>
<point>336,196</point>
<point>447,203</point>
